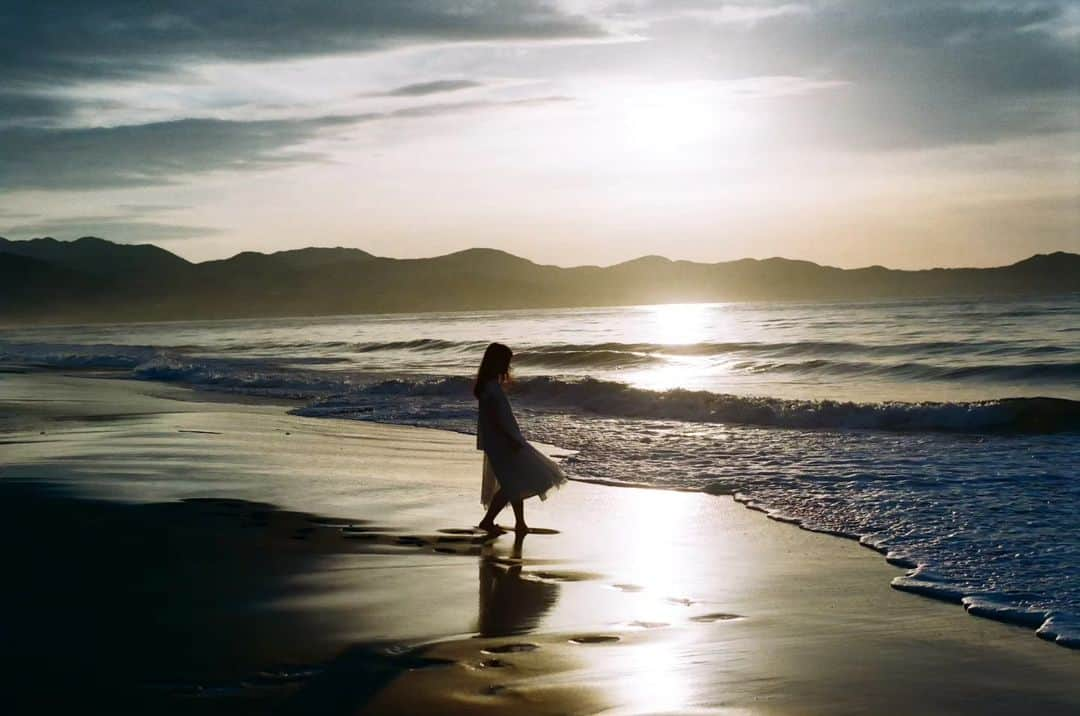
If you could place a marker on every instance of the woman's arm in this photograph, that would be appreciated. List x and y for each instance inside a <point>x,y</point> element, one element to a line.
<point>498,409</point>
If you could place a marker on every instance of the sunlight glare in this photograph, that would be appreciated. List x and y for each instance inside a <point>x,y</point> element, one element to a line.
<point>675,324</point>
<point>666,122</point>
<point>679,323</point>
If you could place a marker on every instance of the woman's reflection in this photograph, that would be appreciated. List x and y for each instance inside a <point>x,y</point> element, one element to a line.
<point>509,602</point>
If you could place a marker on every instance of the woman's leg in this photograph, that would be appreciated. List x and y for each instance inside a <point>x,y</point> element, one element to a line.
<point>519,515</point>
<point>498,502</point>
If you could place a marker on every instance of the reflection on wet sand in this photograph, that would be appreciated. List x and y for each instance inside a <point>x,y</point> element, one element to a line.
<point>510,602</point>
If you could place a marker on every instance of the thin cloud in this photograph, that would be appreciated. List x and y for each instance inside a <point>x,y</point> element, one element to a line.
<point>72,40</point>
<point>141,209</point>
<point>421,89</point>
<point>112,227</point>
<point>164,153</point>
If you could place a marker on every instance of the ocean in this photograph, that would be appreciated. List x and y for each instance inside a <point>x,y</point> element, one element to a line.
<point>944,434</point>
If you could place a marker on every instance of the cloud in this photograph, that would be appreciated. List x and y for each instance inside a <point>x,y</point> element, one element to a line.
<point>420,89</point>
<point>919,73</point>
<point>115,228</point>
<point>141,209</point>
<point>158,153</point>
<point>64,41</point>
<point>168,152</point>
<point>15,215</point>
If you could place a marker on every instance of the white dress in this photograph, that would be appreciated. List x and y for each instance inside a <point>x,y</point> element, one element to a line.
<point>521,473</point>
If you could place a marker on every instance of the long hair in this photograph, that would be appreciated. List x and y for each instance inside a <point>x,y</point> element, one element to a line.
<point>494,366</point>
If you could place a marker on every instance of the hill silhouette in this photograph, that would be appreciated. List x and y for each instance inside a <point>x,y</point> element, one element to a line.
<point>94,280</point>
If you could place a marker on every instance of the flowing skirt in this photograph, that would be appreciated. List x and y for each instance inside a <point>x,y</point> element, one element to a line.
<point>528,473</point>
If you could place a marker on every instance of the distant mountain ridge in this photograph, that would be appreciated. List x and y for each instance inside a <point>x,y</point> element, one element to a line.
<point>95,280</point>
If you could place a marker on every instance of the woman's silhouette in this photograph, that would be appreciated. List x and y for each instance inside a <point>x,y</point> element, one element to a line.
<point>513,469</point>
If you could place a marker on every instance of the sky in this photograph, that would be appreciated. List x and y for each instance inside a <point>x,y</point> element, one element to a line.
<point>907,133</point>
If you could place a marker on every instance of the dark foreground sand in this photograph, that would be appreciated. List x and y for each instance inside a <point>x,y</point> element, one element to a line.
<point>167,553</point>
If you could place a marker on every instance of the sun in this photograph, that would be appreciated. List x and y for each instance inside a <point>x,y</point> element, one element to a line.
<point>668,122</point>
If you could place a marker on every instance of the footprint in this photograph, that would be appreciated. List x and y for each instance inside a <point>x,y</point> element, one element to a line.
<point>330,521</point>
<point>493,664</point>
<point>542,531</point>
<point>628,587</point>
<point>640,624</point>
<point>563,576</point>
<point>428,662</point>
<point>716,617</point>
<point>511,648</point>
<point>595,639</point>
<point>685,601</point>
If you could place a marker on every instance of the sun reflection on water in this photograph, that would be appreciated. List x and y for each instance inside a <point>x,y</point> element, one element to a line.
<point>679,323</point>
<point>659,682</point>
<point>679,326</point>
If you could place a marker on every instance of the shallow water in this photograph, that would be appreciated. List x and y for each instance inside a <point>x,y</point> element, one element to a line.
<point>883,421</point>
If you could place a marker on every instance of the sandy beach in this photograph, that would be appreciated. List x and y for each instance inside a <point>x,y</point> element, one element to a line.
<point>182,552</point>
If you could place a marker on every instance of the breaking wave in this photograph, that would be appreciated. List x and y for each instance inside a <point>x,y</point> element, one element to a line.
<point>345,391</point>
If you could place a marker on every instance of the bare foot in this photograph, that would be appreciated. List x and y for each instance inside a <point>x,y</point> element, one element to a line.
<point>489,527</point>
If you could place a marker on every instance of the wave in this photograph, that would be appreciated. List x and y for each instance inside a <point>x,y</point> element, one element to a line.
<point>920,371</point>
<point>702,349</point>
<point>342,391</point>
<point>798,348</point>
<point>757,357</point>
<point>63,355</point>
<point>585,359</point>
<point>618,400</point>
<point>418,344</point>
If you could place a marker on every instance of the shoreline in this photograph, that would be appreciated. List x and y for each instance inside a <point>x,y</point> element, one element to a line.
<point>1041,624</point>
<point>366,576</point>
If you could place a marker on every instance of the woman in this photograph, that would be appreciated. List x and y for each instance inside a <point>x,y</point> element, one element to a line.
<point>513,469</point>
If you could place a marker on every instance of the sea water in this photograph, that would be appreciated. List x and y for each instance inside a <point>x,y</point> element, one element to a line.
<point>943,433</point>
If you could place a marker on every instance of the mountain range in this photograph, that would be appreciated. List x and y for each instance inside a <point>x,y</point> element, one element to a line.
<point>94,280</point>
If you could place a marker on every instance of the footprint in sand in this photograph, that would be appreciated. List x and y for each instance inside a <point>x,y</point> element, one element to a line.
<point>562,576</point>
<point>716,617</point>
<point>330,522</point>
<point>530,531</point>
<point>427,662</point>
<point>595,639</point>
<point>640,624</point>
<point>685,601</point>
<point>511,648</point>
<point>628,587</point>
<point>363,536</point>
<point>493,664</point>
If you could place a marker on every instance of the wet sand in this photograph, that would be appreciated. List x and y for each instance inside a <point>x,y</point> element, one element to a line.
<point>171,552</point>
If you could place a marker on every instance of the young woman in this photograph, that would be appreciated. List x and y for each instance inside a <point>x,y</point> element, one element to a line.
<point>513,469</point>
